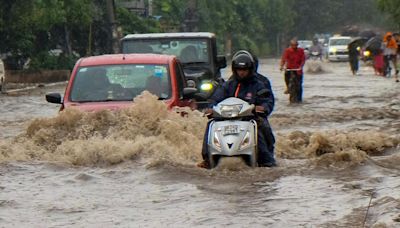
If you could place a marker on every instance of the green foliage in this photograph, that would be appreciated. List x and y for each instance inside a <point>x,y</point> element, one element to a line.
<point>171,12</point>
<point>131,23</point>
<point>392,7</point>
<point>44,60</point>
<point>30,28</point>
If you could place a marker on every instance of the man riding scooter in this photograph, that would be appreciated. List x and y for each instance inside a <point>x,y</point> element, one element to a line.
<point>244,84</point>
<point>315,51</point>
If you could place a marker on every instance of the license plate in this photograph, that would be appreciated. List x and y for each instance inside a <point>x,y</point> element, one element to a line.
<point>231,130</point>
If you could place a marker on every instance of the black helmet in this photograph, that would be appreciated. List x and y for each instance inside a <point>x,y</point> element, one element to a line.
<point>243,61</point>
<point>253,57</point>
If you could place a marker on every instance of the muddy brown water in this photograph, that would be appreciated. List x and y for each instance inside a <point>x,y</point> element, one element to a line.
<point>338,156</point>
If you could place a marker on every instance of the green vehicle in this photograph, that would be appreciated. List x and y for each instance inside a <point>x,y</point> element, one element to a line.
<point>197,52</point>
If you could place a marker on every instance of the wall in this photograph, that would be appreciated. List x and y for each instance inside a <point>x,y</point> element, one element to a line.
<point>42,76</point>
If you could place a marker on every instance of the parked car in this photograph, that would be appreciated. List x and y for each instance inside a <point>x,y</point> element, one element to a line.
<point>305,44</point>
<point>337,48</point>
<point>196,50</point>
<point>112,81</point>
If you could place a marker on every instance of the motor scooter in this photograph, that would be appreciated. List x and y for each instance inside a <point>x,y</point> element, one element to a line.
<point>315,55</point>
<point>232,132</point>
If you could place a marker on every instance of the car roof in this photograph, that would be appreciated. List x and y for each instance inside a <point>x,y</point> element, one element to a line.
<point>304,42</point>
<point>126,59</point>
<point>339,37</point>
<point>170,35</point>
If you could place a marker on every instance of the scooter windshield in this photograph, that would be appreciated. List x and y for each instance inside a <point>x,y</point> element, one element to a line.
<point>230,111</point>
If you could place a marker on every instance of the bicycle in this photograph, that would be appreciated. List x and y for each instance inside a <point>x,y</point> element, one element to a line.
<point>294,85</point>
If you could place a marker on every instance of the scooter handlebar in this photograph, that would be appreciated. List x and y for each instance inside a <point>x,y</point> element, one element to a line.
<point>293,69</point>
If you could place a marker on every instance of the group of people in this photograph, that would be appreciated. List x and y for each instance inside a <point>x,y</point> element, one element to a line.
<point>384,55</point>
<point>247,83</point>
<point>388,53</point>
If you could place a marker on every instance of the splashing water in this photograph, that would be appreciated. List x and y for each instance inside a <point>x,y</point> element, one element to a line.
<point>329,148</point>
<point>145,130</point>
<point>148,132</point>
<point>316,67</point>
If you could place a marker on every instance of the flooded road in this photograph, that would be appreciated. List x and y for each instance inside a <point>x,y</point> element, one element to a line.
<point>338,162</point>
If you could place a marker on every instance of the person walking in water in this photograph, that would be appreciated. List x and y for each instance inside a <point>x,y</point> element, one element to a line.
<point>390,54</point>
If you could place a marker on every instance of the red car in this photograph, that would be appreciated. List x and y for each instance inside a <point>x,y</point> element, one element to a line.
<point>112,81</point>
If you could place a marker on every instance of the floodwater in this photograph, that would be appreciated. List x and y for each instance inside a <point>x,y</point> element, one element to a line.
<point>338,162</point>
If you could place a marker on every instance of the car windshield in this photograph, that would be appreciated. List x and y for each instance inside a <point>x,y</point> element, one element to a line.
<point>120,82</point>
<point>339,41</point>
<point>187,50</point>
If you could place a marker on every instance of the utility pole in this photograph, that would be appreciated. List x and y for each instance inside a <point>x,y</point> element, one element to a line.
<point>150,8</point>
<point>113,37</point>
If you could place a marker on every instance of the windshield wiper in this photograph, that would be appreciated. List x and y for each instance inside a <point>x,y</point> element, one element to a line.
<point>106,100</point>
<point>193,63</point>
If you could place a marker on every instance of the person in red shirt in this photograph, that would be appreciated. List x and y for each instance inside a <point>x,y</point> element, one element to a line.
<point>293,58</point>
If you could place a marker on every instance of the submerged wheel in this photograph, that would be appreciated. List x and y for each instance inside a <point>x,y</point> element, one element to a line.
<point>213,160</point>
<point>251,160</point>
<point>293,89</point>
<point>2,88</point>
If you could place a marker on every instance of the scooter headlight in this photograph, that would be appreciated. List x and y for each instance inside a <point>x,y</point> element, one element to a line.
<point>367,53</point>
<point>216,142</point>
<point>245,142</point>
<point>230,110</point>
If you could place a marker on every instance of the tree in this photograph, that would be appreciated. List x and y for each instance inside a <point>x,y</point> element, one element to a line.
<point>392,7</point>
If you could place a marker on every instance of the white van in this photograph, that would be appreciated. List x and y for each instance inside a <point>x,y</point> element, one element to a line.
<point>337,48</point>
<point>2,76</point>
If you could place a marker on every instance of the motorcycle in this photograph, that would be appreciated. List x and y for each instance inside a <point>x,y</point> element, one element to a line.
<point>232,132</point>
<point>294,86</point>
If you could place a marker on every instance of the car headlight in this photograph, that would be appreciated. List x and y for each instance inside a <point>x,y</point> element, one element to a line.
<point>367,53</point>
<point>207,86</point>
<point>245,142</point>
<point>230,110</point>
<point>332,49</point>
<point>216,142</point>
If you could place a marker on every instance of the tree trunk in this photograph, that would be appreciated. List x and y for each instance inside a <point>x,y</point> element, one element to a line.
<point>68,46</point>
<point>89,50</point>
<point>114,43</point>
<point>228,45</point>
